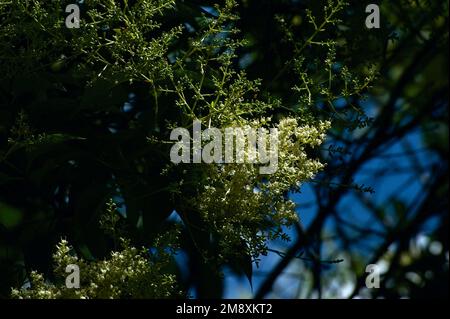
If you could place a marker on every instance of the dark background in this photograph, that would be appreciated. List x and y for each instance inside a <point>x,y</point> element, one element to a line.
<point>383,197</point>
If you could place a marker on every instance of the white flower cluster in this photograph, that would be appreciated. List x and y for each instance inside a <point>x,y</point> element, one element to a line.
<point>130,273</point>
<point>241,205</point>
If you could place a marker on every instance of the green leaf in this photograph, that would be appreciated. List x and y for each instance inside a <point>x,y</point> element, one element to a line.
<point>9,216</point>
<point>242,264</point>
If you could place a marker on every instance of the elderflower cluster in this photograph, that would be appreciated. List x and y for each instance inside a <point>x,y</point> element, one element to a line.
<point>241,205</point>
<point>129,273</point>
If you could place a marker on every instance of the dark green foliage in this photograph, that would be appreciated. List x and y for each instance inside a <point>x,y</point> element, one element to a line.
<point>85,113</point>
